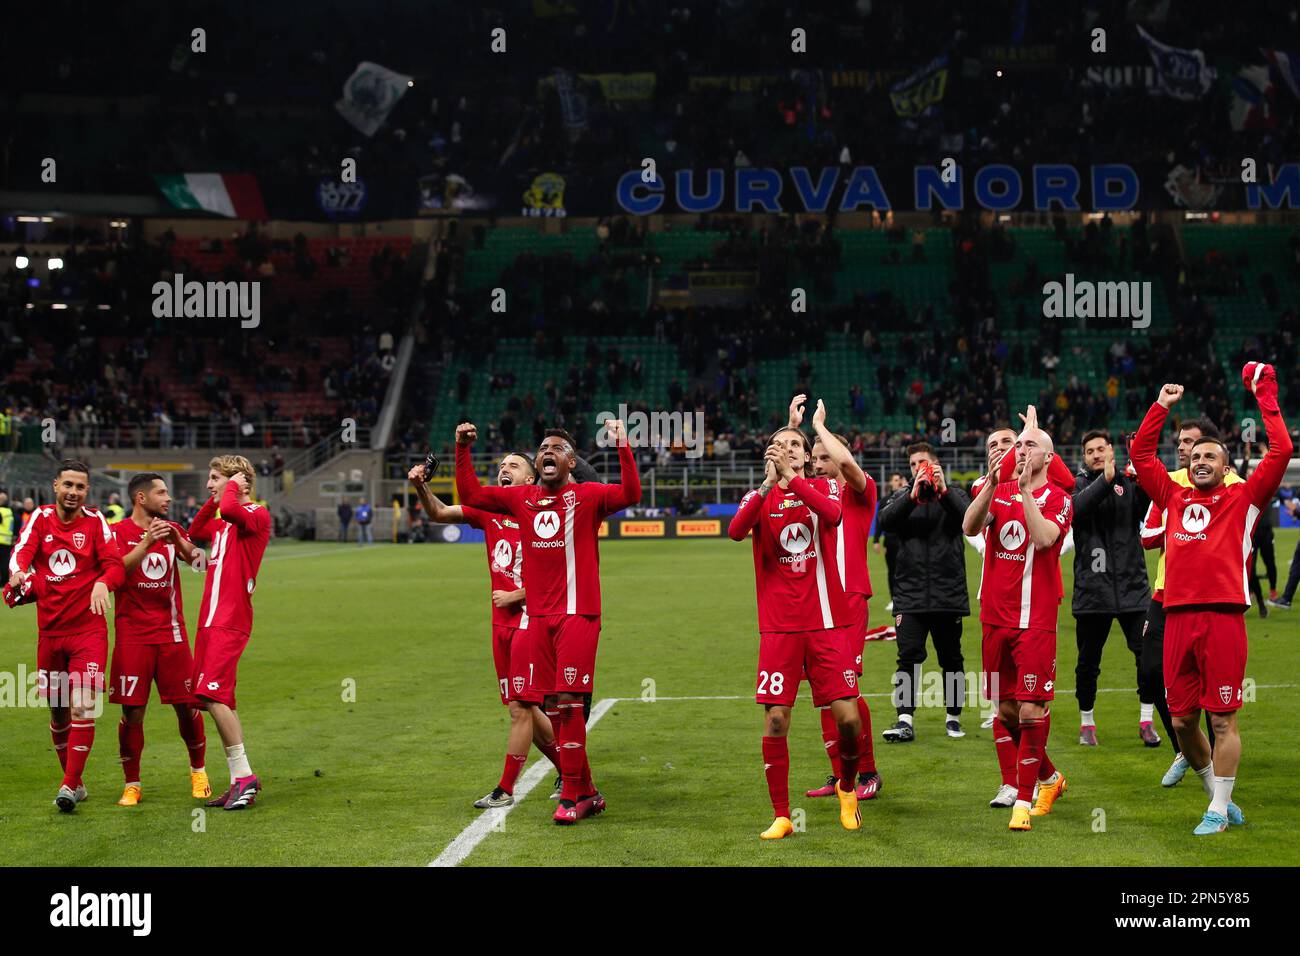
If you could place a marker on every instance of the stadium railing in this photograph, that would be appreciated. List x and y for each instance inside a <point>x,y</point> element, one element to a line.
<point>252,437</point>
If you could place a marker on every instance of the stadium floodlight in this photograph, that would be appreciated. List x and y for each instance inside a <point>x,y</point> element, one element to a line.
<point>59,305</point>
<point>29,218</point>
<point>21,262</point>
<point>54,263</point>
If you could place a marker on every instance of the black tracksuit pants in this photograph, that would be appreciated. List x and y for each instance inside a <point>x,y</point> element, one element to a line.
<point>945,628</point>
<point>1091,631</point>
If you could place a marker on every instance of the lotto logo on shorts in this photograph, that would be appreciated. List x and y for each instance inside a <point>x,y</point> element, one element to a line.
<point>519,685</point>
<point>1031,681</point>
<point>570,675</point>
<point>850,678</point>
<point>213,685</point>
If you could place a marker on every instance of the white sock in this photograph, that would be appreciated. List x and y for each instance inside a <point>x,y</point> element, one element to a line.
<point>1148,712</point>
<point>1050,781</point>
<point>1206,774</point>
<point>198,769</point>
<point>1086,719</point>
<point>906,718</point>
<point>238,762</point>
<point>1024,803</point>
<point>1222,794</point>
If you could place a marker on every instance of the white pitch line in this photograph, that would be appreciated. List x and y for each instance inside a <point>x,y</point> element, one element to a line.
<point>474,834</point>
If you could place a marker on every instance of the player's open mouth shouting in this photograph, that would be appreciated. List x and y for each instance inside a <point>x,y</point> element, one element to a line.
<point>549,464</point>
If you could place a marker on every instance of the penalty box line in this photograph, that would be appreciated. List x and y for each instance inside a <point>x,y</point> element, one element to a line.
<point>469,838</point>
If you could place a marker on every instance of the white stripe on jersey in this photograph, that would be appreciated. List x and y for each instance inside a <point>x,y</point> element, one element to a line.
<point>218,550</point>
<point>570,565</point>
<point>176,583</point>
<point>823,596</point>
<point>22,539</point>
<point>518,578</point>
<point>1252,515</point>
<point>1027,583</point>
<point>839,552</point>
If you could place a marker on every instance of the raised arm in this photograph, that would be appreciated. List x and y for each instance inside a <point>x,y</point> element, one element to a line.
<point>1267,477</point>
<point>628,490</point>
<point>233,509</point>
<point>853,474</point>
<point>471,492</point>
<point>747,515</point>
<point>1151,475</point>
<point>200,527</point>
<point>1089,493</point>
<point>1153,528</point>
<point>433,505</point>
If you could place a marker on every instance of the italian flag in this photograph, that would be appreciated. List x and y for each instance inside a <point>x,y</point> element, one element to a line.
<point>235,195</point>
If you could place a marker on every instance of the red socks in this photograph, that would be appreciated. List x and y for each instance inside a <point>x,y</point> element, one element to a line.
<point>776,766</point>
<point>1047,768</point>
<point>514,764</point>
<point>130,745</point>
<point>848,770</point>
<point>1033,746</point>
<point>60,738</point>
<point>571,736</point>
<point>1008,745</point>
<point>831,738</point>
<point>196,740</point>
<point>550,752</point>
<point>81,737</point>
<point>866,750</point>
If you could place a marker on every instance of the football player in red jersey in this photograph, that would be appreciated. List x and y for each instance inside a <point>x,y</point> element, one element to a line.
<point>802,610</point>
<point>832,459</point>
<point>66,556</point>
<point>559,521</point>
<point>1026,520</point>
<point>1207,547</point>
<point>511,649</point>
<point>150,643</point>
<point>239,539</point>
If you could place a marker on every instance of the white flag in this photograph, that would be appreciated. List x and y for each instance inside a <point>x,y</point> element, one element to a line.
<point>369,96</point>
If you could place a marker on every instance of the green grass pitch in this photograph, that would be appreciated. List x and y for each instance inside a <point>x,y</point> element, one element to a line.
<point>389,778</point>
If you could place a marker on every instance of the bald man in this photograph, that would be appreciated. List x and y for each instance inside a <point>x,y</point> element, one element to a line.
<point>1026,520</point>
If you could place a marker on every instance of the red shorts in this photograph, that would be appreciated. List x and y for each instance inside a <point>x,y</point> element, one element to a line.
<point>1205,660</point>
<point>821,656</point>
<point>512,652</point>
<point>69,662</point>
<point>137,666</point>
<point>564,652</point>
<point>855,632</point>
<point>1022,661</point>
<point>216,661</point>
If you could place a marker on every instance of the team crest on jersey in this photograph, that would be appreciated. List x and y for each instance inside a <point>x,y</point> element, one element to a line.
<point>898,620</point>
<point>78,540</point>
<point>850,678</point>
<point>796,538</point>
<point>519,685</point>
<point>546,524</point>
<point>570,675</point>
<point>1119,490</point>
<point>1031,681</point>
<point>570,499</point>
<point>1195,518</point>
<point>1225,694</point>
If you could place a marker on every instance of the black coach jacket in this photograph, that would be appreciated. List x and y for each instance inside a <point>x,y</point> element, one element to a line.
<point>930,566</point>
<point>1110,570</point>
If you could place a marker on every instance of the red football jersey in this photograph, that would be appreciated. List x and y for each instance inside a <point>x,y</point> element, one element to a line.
<point>1022,586</point>
<point>1208,533</point>
<point>239,538</point>
<point>505,554</point>
<point>148,608</point>
<point>796,531</point>
<point>66,560</point>
<point>853,538</point>
<point>559,531</point>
